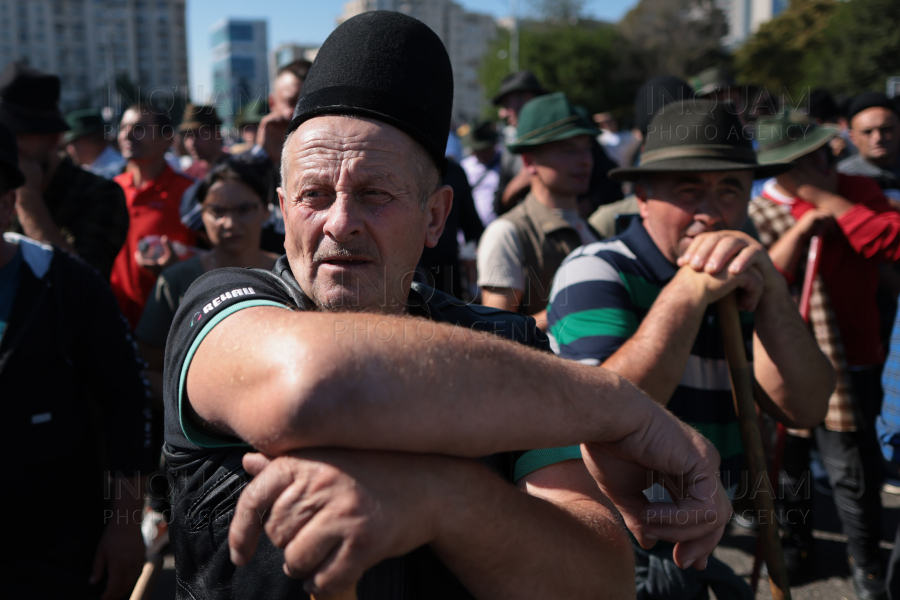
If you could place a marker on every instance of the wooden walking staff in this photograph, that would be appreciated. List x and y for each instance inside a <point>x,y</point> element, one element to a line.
<point>742,388</point>
<point>812,269</point>
<point>143,589</point>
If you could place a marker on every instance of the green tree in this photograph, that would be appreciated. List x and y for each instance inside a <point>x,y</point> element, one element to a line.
<point>578,59</point>
<point>786,53</point>
<point>863,46</point>
<point>673,37</point>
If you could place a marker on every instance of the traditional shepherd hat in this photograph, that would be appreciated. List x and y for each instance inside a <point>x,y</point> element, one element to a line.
<point>29,100</point>
<point>198,116</point>
<point>869,100</point>
<point>697,135</point>
<point>481,135</point>
<point>82,123</point>
<point>9,159</point>
<point>549,118</point>
<point>520,81</point>
<point>386,66</point>
<point>790,135</point>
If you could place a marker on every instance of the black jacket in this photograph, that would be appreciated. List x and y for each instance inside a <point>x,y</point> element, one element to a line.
<point>76,408</point>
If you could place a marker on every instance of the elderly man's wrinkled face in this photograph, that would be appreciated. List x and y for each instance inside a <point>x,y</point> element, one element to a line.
<point>353,212</point>
<point>676,207</point>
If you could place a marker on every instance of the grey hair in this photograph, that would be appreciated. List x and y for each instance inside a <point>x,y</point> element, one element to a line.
<point>428,175</point>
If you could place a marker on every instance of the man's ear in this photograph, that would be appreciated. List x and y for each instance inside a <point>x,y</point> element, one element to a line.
<point>439,205</point>
<point>280,191</point>
<point>528,162</point>
<point>854,137</point>
<point>642,195</point>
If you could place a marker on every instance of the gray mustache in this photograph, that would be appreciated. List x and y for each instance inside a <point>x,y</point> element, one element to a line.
<point>342,251</point>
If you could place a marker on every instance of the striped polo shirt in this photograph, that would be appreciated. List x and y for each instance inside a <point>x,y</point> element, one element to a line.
<point>600,295</point>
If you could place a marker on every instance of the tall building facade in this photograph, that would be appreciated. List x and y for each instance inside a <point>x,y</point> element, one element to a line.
<point>285,54</point>
<point>239,63</point>
<point>466,36</point>
<point>745,17</point>
<point>93,44</point>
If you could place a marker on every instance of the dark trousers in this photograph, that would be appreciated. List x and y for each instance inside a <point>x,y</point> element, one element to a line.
<point>893,573</point>
<point>853,462</point>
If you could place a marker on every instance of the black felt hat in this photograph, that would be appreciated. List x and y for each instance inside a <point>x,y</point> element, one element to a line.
<point>386,66</point>
<point>869,100</point>
<point>9,159</point>
<point>697,135</point>
<point>29,100</point>
<point>520,81</point>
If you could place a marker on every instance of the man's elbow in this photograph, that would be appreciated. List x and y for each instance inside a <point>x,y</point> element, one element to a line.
<point>289,409</point>
<point>812,401</point>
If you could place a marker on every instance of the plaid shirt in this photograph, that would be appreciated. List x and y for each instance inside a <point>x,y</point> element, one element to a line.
<point>888,423</point>
<point>90,212</point>
<point>772,220</point>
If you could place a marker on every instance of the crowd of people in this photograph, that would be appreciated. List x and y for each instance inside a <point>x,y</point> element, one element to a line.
<point>334,351</point>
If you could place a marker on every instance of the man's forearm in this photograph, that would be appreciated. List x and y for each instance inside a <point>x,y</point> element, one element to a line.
<point>654,358</point>
<point>788,364</point>
<point>285,380</point>
<point>542,550</point>
<point>36,221</point>
<point>786,251</point>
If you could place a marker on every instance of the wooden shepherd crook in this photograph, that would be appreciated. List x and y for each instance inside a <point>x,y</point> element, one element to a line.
<point>742,388</point>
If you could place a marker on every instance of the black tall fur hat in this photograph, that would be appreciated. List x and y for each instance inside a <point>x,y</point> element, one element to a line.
<point>387,66</point>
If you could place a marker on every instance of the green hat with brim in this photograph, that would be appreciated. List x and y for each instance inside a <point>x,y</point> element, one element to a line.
<point>711,80</point>
<point>82,123</point>
<point>549,118</point>
<point>696,136</point>
<point>790,135</point>
<point>249,114</point>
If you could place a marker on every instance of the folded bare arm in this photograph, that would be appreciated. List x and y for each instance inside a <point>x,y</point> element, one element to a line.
<point>284,380</point>
<point>339,512</point>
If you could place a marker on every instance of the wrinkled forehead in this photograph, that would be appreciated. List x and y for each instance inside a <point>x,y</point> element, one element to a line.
<point>331,145</point>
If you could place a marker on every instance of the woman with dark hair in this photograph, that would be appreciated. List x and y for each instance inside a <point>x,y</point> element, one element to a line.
<point>233,208</point>
<point>231,198</point>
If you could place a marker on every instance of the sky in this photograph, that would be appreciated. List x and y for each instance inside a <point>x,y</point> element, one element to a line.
<point>310,21</point>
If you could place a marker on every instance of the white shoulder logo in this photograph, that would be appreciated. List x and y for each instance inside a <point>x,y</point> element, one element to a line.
<point>227,296</point>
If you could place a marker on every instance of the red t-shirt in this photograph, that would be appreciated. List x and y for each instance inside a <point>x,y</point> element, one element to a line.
<point>869,233</point>
<point>153,209</point>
